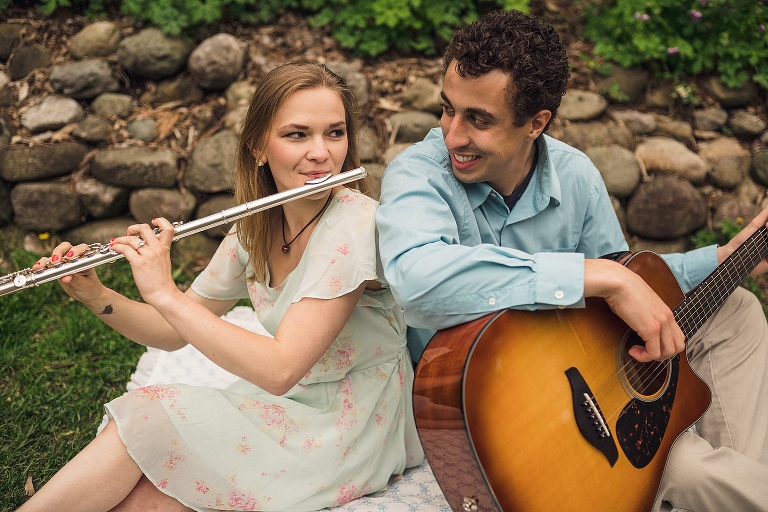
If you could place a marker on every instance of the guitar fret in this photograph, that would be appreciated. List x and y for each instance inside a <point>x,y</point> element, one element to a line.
<point>711,293</point>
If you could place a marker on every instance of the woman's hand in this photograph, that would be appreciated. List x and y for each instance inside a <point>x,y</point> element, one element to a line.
<point>82,286</point>
<point>150,258</point>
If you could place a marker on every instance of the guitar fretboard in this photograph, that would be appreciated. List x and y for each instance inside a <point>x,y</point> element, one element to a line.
<point>701,302</point>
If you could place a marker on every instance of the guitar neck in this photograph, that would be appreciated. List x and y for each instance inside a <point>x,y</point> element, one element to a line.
<point>701,302</point>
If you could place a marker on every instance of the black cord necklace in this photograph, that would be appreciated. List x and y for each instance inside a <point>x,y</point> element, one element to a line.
<point>287,245</point>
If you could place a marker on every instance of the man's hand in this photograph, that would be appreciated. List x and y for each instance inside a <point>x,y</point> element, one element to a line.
<point>632,300</point>
<point>726,250</point>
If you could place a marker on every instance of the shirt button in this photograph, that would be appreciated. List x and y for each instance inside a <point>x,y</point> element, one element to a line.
<point>559,294</point>
<point>493,194</point>
<point>492,301</point>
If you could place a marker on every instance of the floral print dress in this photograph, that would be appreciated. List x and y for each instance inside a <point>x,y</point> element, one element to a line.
<point>340,433</point>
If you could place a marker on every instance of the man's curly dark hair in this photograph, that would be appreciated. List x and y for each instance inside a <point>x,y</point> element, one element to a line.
<point>525,47</point>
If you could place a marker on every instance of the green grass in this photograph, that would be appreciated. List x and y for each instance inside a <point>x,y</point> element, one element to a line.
<point>58,365</point>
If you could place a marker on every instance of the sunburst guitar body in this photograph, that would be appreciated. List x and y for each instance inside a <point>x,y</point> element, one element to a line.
<point>538,411</point>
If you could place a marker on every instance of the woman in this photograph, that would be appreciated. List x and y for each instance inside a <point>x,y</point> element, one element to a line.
<point>322,414</point>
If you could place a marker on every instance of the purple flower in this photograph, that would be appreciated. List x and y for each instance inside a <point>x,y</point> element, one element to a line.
<point>642,16</point>
<point>703,2</point>
<point>695,15</point>
<point>761,28</point>
<point>673,50</point>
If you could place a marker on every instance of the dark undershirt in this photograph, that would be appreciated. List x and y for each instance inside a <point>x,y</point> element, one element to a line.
<point>512,199</point>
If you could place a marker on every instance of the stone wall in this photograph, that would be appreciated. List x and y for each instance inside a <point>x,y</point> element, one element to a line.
<point>122,125</point>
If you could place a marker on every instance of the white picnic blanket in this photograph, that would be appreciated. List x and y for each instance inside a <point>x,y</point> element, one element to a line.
<point>414,491</point>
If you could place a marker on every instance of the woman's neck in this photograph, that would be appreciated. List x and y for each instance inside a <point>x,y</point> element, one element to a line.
<point>300,212</point>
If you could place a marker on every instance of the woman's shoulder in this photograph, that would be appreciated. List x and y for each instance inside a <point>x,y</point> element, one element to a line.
<point>355,199</point>
<point>350,203</point>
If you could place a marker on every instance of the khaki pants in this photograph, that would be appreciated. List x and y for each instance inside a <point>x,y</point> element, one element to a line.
<point>725,467</point>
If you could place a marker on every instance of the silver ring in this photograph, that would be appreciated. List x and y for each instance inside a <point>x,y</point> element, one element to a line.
<point>142,243</point>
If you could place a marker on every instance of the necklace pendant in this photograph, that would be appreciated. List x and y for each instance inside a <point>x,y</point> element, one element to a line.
<point>286,248</point>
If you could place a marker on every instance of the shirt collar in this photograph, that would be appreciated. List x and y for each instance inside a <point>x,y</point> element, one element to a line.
<point>548,186</point>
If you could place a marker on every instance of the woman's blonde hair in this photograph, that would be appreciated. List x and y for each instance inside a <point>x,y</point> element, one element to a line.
<point>254,182</point>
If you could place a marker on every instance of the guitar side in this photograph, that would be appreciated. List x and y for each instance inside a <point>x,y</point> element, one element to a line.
<point>518,408</point>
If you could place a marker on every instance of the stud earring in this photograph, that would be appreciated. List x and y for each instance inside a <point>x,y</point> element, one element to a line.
<point>260,164</point>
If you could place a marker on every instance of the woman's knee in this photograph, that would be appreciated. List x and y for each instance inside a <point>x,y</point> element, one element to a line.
<point>145,497</point>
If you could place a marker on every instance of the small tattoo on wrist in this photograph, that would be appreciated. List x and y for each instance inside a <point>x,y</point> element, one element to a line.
<point>107,310</point>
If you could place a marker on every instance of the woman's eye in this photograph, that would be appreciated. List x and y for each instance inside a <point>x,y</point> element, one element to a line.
<point>337,134</point>
<point>295,135</point>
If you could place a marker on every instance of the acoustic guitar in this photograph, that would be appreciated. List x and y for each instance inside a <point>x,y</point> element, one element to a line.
<point>539,411</point>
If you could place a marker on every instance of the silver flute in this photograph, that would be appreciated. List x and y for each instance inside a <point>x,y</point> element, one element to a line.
<point>98,254</point>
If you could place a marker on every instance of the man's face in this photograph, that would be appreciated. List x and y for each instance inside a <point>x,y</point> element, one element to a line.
<point>482,140</point>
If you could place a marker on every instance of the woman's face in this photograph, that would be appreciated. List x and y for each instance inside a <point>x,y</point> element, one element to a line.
<point>308,138</point>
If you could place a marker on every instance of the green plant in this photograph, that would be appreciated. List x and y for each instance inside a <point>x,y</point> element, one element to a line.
<point>593,64</point>
<point>615,93</point>
<point>686,94</point>
<point>58,364</point>
<point>176,17</point>
<point>371,27</point>
<point>90,8</point>
<point>720,236</point>
<point>368,27</point>
<point>685,37</point>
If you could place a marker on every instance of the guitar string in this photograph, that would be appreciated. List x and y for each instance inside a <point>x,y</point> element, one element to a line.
<point>687,313</point>
<point>688,309</point>
<point>713,288</point>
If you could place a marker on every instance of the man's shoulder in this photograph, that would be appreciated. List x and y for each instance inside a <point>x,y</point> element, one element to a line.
<point>429,154</point>
<point>560,151</point>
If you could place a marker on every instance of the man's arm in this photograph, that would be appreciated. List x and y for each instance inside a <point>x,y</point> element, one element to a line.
<point>442,280</point>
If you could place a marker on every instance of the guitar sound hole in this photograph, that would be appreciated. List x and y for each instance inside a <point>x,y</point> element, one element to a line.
<point>645,381</point>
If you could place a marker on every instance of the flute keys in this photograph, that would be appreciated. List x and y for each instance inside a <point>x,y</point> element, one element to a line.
<point>19,280</point>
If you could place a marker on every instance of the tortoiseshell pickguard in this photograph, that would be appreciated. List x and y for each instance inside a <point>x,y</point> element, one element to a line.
<point>641,426</point>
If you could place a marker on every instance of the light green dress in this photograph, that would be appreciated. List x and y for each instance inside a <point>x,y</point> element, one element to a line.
<point>340,433</point>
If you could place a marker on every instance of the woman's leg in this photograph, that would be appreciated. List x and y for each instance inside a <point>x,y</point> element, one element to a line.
<point>145,497</point>
<point>96,479</point>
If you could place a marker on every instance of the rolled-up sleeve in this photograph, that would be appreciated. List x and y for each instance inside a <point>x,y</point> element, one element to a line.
<point>692,267</point>
<point>440,281</point>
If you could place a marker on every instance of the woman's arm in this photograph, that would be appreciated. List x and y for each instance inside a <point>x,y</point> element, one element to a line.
<point>169,318</point>
<point>142,323</point>
<point>137,321</point>
<point>306,331</point>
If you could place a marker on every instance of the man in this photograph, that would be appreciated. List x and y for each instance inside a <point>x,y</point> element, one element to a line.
<point>488,213</point>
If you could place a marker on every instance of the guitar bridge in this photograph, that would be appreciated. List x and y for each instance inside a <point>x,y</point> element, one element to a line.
<point>589,417</point>
<point>595,415</point>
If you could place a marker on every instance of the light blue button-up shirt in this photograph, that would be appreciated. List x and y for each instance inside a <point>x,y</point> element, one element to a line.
<point>453,252</point>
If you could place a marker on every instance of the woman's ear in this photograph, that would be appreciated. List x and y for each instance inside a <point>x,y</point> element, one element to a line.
<point>260,158</point>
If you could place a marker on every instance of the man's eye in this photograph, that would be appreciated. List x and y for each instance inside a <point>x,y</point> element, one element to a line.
<point>480,123</point>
